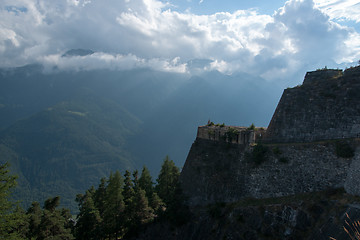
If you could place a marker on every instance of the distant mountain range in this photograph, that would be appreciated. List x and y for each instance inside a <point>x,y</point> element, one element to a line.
<point>63,131</point>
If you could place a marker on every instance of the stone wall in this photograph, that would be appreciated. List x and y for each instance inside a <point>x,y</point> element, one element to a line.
<point>215,172</point>
<point>230,134</point>
<point>326,106</point>
<point>301,140</point>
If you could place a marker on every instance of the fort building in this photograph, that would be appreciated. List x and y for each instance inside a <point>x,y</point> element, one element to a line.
<point>300,150</point>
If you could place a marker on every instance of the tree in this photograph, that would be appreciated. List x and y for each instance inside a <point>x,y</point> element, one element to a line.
<point>167,181</point>
<point>114,207</point>
<point>54,222</point>
<point>169,190</point>
<point>88,220</point>
<point>146,183</point>
<point>99,197</point>
<point>34,213</point>
<point>10,213</point>
<point>140,212</point>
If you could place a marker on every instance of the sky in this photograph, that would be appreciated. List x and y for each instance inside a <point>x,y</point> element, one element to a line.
<point>271,39</point>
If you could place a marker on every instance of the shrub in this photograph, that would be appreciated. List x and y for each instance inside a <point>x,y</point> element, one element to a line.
<point>252,127</point>
<point>258,154</point>
<point>231,134</point>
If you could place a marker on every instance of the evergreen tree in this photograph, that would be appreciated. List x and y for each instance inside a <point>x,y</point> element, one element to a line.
<point>128,193</point>
<point>146,183</point>
<point>100,197</point>
<point>10,216</point>
<point>136,180</point>
<point>156,204</point>
<point>54,222</point>
<point>168,180</point>
<point>88,220</point>
<point>114,207</point>
<point>169,190</point>
<point>140,213</point>
<point>34,213</point>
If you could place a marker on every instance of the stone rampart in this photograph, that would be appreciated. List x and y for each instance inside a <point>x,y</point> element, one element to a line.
<point>216,172</point>
<point>326,106</point>
<point>230,134</point>
<point>299,151</point>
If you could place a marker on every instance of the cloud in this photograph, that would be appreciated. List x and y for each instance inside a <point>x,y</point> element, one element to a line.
<point>149,33</point>
<point>101,60</point>
<point>348,10</point>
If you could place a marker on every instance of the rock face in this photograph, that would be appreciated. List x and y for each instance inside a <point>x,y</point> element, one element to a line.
<point>299,151</point>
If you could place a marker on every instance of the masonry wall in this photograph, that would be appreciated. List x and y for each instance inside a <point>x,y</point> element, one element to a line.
<point>216,172</point>
<point>326,106</point>
<point>240,135</point>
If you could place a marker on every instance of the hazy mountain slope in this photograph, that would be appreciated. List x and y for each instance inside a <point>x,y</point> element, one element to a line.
<point>67,148</point>
<point>233,100</point>
<point>168,106</point>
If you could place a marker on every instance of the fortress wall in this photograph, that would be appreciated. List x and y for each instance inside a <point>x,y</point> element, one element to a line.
<point>216,172</point>
<point>326,106</point>
<point>220,133</point>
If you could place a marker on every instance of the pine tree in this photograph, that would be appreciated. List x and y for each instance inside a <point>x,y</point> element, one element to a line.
<point>146,183</point>
<point>100,197</point>
<point>34,213</point>
<point>114,207</point>
<point>140,212</point>
<point>169,190</point>
<point>135,180</point>
<point>168,180</point>
<point>128,193</point>
<point>88,220</point>
<point>10,216</point>
<point>54,222</point>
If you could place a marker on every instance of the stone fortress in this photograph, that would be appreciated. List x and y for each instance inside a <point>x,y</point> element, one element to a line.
<point>299,149</point>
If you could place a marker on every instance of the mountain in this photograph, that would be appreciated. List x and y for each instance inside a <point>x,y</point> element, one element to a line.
<point>161,110</point>
<point>67,148</point>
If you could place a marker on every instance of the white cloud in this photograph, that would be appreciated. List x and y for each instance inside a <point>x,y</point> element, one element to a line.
<point>147,33</point>
<point>101,60</point>
<point>340,9</point>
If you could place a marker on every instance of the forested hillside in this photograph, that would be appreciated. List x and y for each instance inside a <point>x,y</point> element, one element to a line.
<point>64,130</point>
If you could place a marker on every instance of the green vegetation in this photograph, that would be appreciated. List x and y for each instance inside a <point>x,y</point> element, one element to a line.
<point>121,206</point>
<point>12,219</point>
<point>251,127</point>
<point>36,223</point>
<point>258,154</point>
<point>344,150</point>
<point>62,152</point>
<point>231,134</point>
